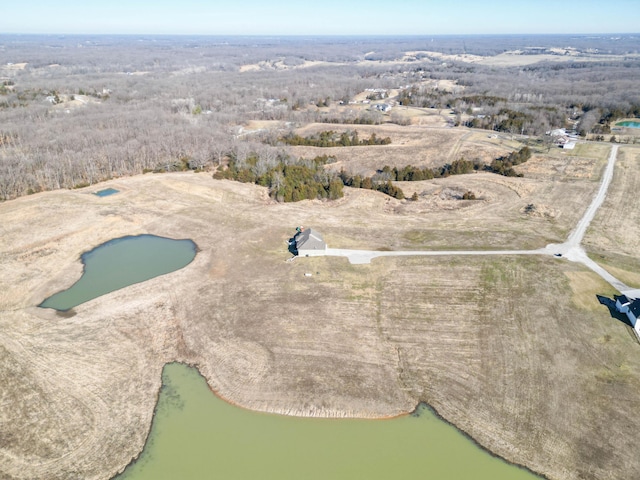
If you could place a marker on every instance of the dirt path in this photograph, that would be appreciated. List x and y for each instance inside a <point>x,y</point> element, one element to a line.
<point>577,235</point>
<point>453,154</point>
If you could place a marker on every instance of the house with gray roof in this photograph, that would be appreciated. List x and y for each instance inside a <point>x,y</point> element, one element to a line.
<point>309,243</point>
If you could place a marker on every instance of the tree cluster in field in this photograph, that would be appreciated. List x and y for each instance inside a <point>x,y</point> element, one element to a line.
<point>504,165</point>
<point>505,120</point>
<point>501,166</point>
<point>330,138</point>
<point>415,174</point>
<point>379,183</point>
<point>288,180</point>
<point>292,180</point>
<point>468,195</point>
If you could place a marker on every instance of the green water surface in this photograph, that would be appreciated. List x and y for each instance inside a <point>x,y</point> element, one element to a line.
<point>628,124</point>
<point>121,262</point>
<point>195,435</point>
<point>106,192</point>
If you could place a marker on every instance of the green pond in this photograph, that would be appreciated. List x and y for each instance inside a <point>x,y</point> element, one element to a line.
<point>121,262</point>
<point>628,124</point>
<point>196,435</point>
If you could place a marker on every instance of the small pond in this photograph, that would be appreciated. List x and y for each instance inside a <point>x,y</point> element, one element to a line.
<point>106,192</point>
<point>122,262</point>
<point>196,435</point>
<point>628,124</point>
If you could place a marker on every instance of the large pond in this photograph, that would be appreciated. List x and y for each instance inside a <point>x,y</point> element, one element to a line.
<point>196,435</point>
<point>122,262</point>
<point>628,124</point>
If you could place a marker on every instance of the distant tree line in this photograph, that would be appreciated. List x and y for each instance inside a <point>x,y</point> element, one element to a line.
<point>292,180</point>
<point>331,138</point>
<point>360,120</point>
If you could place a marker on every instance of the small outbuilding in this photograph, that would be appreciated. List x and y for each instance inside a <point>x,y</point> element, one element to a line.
<point>309,243</point>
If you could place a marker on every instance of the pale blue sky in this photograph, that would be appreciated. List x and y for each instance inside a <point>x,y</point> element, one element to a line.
<point>320,17</point>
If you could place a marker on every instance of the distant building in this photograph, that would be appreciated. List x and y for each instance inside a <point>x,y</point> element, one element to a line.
<point>558,132</point>
<point>383,107</point>
<point>309,243</point>
<point>569,145</point>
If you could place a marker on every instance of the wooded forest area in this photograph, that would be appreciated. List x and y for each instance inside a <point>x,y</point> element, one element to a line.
<point>77,110</point>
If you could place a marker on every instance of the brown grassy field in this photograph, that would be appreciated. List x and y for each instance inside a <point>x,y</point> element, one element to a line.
<point>514,351</point>
<point>614,238</point>
<point>417,145</point>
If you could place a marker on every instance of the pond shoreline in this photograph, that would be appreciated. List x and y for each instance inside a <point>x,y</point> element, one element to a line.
<point>414,412</point>
<point>169,244</point>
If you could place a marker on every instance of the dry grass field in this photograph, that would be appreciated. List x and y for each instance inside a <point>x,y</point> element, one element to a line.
<point>418,145</point>
<point>514,351</point>
<point>614,238</point>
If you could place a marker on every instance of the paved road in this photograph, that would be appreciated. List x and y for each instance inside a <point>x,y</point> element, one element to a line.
<point>365,256</point>
<point>570,250</point>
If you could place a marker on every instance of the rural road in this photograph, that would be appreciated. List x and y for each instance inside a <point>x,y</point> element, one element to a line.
<point>365,256</point>
<point>570,250</point>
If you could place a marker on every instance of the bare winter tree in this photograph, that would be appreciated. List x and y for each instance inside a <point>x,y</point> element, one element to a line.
<point>116,107</point>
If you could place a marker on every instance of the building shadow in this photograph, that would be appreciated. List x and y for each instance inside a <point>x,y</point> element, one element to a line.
<point>292,246</point>
<point>611,305</point>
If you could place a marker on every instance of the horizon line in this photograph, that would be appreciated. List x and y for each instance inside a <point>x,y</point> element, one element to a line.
<point>301,35</point>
